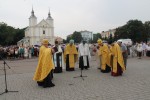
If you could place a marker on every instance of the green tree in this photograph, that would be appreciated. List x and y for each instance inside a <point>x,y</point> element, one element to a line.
<point>9,35</point>
<point>133,29</point>
<point>19,35</point>
<point>64,41</point>
<point>147,30</point>
<point>121,32</point>
<point>6,34</point>
<point>96,37</point>
<point>77,37</point>
<point>68,38</point>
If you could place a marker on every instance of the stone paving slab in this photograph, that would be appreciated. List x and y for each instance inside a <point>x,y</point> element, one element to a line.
<point>133,85</point>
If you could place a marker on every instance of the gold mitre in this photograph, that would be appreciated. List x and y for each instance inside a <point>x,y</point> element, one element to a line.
<point>99,41</point>
<point>45,41</point>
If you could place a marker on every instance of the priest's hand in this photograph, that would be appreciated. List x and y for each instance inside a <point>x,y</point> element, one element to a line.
<point>53,51</point>
<point>112,55</point>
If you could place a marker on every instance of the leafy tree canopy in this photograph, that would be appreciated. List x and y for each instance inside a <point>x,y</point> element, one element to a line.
<point>96,37</point>
<point>135,30</point>
<point>76,36</point>
<point>9,35</point>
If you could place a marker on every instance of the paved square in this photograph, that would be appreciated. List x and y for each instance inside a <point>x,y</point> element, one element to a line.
<point>133,85</point>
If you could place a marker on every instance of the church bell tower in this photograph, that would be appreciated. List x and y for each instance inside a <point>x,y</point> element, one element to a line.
<point>49,20</point>
<point>32,19</point>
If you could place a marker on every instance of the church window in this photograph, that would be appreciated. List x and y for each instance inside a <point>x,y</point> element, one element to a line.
<point>43,31</point>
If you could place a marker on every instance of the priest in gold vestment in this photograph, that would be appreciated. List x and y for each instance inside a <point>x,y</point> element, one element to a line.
<point>43,74</point>
<point>103,53</point>
<point>117,60</point>
<point>70,56</point>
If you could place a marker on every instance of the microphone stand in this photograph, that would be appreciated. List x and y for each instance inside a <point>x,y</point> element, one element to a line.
<point>80,75</point>
<point>6,90</point>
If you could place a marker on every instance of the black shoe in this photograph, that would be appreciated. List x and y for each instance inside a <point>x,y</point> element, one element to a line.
<point>98,68</point>
<point>40,83</point>
<point>52,85</point>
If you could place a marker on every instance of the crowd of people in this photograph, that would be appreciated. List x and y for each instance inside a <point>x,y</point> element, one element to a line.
<point>18,52</point>
<point>141,49</point>
<point>21,52</point>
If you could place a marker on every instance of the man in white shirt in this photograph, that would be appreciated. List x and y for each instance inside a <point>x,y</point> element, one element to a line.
<point>139,50</point>
<point>84,55</point>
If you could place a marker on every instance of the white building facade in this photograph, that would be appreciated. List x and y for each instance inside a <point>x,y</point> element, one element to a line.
<point>36,32</point>
<point>106,34</point>
<point>87,35</point>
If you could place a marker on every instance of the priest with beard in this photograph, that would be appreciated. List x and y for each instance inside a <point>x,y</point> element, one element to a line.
<point>57,57</point>
<point>84,55</point>
<point>70,56</point>
<point>44,71</point>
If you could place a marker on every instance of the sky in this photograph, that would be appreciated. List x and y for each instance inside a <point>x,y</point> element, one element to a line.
<point>75,15</point>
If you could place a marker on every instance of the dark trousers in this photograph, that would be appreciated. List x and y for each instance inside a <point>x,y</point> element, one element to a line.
<point>148,53</point>
<point>81,63</point>
<point>139,54</point>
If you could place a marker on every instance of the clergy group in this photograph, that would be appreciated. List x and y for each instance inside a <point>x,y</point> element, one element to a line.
<point>55,59</point>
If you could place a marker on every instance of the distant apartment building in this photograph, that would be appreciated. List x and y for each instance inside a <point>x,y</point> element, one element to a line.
<point>106,34</point>
<point>87,35</point>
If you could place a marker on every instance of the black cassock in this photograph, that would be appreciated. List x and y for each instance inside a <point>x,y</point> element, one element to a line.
<point>57,57</point>
<point>81,62</point>
<point>47,82</point>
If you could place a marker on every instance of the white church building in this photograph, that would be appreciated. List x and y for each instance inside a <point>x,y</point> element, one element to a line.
<point>36,32</point>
